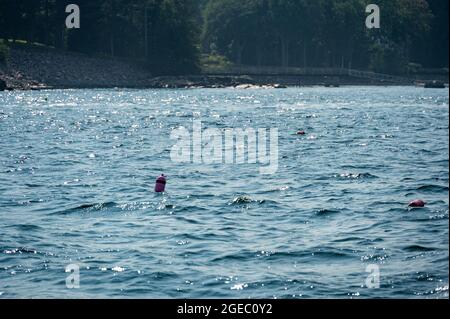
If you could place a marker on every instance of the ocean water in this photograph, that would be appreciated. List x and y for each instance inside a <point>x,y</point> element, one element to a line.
<point>77,172</point>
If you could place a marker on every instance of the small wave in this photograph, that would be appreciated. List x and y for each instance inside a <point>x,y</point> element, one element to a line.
<point>276,190</point>
<point>191,208</point>
<point>33,185</point>
<point>332,254</point>
<point>356,176</point>
<point>133,206</point>
<point>26,227</point>
<point>243,199</point>
<point>163,206</point>
<point>86,208</point>
<point>375,258</point>
<point>326,253</point>
<point>439,291</point>
<point>191,237</point>
<point>439,215</point>
<point>433,188</point>
<point>423,276</point>
<point>326,212</point>
<point>370,241</point>
<point>417,248</point>
<point>347,239</point>
<point>19,251</point>
<point>159,275</point>
<point>243,255</point>
<point>24,250</point>
<point>188,220</point>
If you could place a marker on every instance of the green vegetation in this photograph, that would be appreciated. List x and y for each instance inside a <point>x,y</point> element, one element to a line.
<point>4,51</point>
<point>328,33</point>
<point>214,63</point>
<point>163,33</point>
<point>179,36</point>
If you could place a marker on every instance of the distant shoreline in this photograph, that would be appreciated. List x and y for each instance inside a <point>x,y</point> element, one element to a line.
<point>32,68</point>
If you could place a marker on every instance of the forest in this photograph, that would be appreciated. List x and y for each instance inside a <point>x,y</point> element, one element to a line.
<point>175,36</point>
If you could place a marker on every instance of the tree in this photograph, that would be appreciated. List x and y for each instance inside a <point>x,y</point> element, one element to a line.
<point>165,34</point>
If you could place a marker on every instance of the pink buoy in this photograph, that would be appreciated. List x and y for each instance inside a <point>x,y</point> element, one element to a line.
<point>417,203</point>
<point>160,185</point>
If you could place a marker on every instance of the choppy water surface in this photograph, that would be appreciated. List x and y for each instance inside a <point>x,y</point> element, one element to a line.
<point>77,169</point>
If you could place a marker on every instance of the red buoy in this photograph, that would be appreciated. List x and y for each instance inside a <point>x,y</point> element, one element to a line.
<point>160,185</point>
<point>417,203</point>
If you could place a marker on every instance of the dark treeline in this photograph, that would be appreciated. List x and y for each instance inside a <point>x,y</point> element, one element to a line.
<point>328,33</point>
<point>164,33</point>
<point>170,35</point>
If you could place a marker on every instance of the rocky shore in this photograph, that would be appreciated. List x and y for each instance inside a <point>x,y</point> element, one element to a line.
<point>39,68</point>
<point>33,68</point>
<point>36,68</point>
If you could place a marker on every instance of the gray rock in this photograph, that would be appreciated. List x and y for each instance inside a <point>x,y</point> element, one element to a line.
<point>435,85</point>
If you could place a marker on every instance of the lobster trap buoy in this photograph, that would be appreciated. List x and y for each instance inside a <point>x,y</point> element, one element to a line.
<point>160,184</point>
<point>417,203</point>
